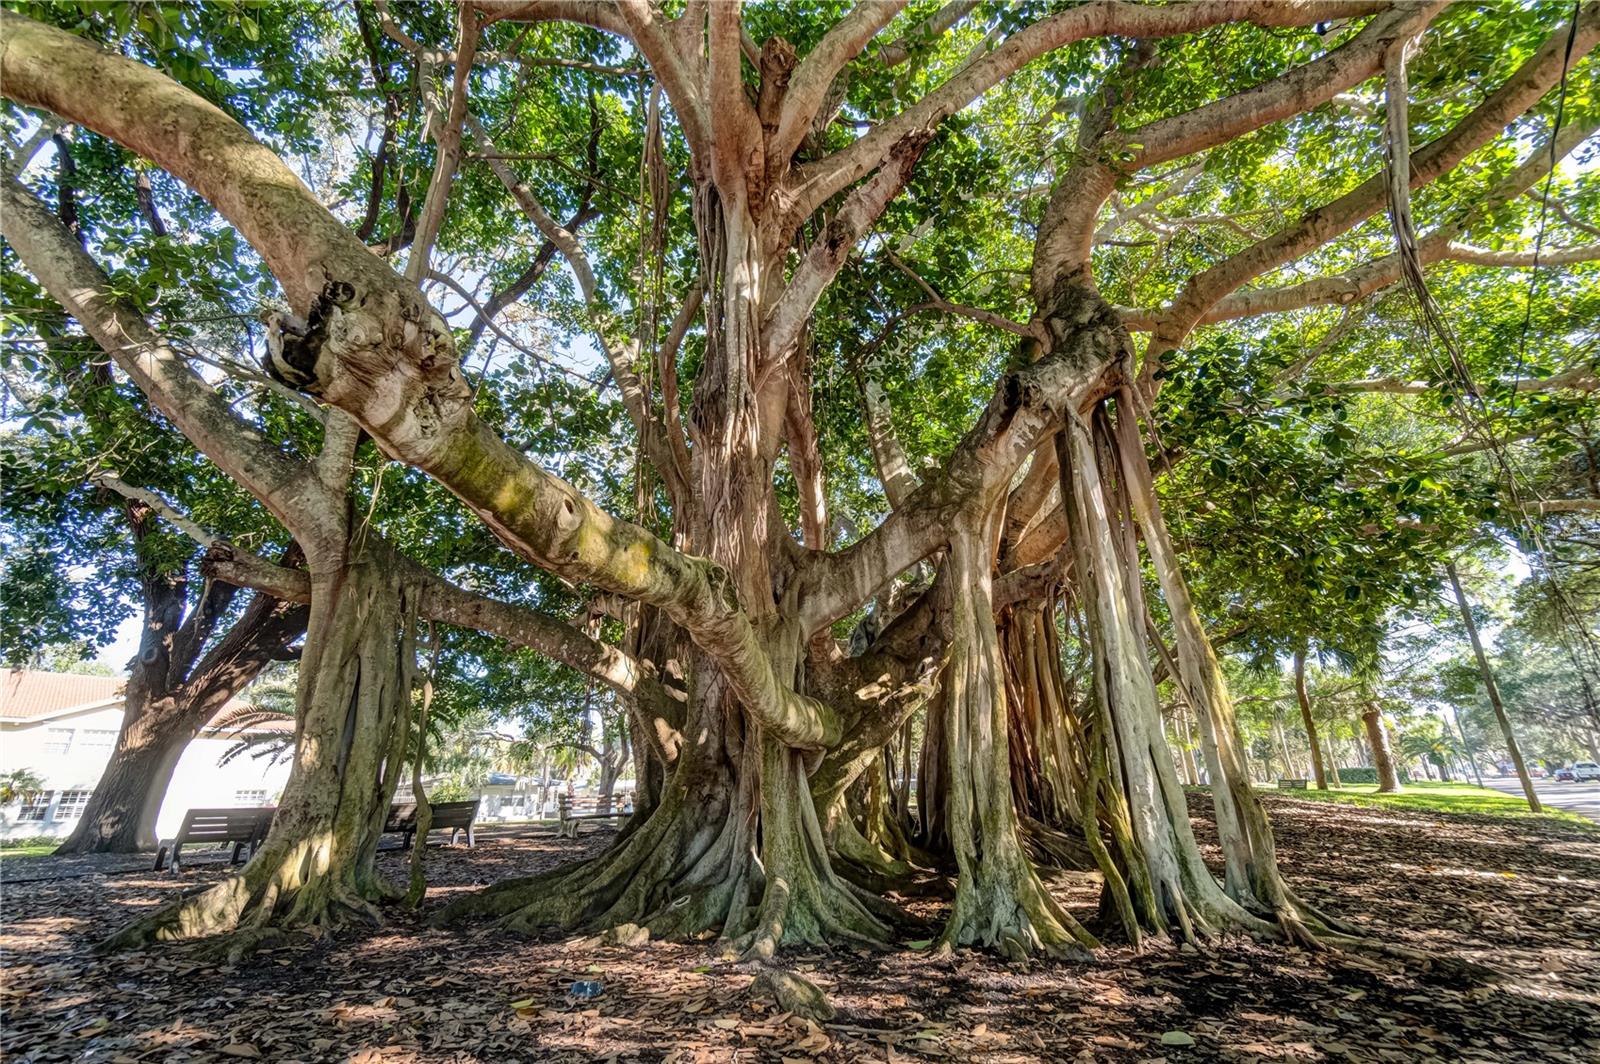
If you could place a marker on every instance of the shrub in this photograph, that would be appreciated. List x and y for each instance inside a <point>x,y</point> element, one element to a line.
<point>1367,774</point>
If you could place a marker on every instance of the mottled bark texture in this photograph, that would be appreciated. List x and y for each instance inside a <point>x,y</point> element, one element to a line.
<point>315,868</point>
<point>999,900</point>
<point>1382,754</point>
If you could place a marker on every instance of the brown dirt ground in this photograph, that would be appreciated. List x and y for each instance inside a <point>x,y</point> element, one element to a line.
<point>1519,895</point>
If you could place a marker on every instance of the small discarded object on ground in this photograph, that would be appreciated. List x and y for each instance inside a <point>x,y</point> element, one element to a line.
<point>585,990</point>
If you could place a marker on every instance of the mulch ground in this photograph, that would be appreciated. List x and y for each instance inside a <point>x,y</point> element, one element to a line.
<point>1520,896</point>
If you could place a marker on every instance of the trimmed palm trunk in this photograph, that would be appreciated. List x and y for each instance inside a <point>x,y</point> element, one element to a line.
<point>1303,697</point>
<point>1382,755</point>
<point>1492,689</point>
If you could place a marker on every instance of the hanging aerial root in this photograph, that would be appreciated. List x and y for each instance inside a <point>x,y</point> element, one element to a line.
<point>804,901</point>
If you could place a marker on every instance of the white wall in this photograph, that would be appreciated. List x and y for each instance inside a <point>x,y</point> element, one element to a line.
<point>197,782</point>
<point>29,745</point>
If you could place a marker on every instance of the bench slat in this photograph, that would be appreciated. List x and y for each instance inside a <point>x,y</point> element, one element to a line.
<point>244,827</point>
<point>446,816</point>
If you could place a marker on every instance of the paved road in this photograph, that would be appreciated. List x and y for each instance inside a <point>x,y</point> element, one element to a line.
<point>1580,798</point>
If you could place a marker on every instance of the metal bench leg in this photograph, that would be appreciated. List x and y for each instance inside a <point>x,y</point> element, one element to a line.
<point>472,843</point>
<point>410,836</point>
<point>161,858</point>
<point>175,863</point>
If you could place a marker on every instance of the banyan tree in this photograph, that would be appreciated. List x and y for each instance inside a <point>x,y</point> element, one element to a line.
<point>994,648</point>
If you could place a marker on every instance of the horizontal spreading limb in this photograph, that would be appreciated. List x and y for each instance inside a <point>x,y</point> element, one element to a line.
<point>373,347</point>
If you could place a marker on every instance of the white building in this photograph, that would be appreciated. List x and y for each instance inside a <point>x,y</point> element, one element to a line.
<point>62,727</point>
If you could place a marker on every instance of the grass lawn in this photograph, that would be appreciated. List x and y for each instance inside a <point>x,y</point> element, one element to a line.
<point>1434,798</point>
<point>30,849</point>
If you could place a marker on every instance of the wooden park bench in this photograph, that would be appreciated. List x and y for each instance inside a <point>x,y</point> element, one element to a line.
<point>1291,785</point>
<point>570,810</point>
<point>454,817</point>
<point>244,827</point>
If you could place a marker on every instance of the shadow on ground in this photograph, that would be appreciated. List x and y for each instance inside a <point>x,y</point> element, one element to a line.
<point>1521,896</point>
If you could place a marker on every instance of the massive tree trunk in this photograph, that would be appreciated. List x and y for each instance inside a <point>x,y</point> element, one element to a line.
<point>315,868</point>
<point>734,844</point>
<point>173,690</point>
<point>120,816</point>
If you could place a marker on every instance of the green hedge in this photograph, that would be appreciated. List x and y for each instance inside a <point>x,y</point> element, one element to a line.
<point>1367,774</point>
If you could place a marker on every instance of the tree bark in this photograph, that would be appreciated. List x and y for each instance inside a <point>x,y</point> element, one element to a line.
<point>315,868</point>
<point>172,692</point>
<point>1307,720</point>
<point>1251,873</point>
<point>999,900</point>
<point>1382,756</point>
<point>1492,689</point>
<point>1185,901</point>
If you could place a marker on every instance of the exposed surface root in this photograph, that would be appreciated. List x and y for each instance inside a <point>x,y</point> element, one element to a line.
<point>258,906</point>
<point>794,993</point>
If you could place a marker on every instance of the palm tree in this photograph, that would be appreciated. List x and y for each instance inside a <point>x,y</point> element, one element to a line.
<point>257,727</point>
<point>20,784</point>
<point>1433,745</point>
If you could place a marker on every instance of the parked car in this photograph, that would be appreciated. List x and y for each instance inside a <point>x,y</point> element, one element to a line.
<point>1537,772</point>
<point>1585,771</point>
<point>1564,774</point>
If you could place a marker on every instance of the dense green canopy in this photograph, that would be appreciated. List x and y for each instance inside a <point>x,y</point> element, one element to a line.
<point>784,380</point>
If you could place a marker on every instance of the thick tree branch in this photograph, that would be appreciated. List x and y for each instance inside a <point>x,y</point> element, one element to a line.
<point>1485,122</point>
<point>155,502</point>
<point>926,31</point>
<point>1577,379</point>
<point>448,159</point>
<point>1562,506</point>
<point>813,78</point>
<point>735,130</point>
<point>449,603</point>
<point>1438,246</point>
<point>373,347</point>
<point>675,70</point>
<point>828,254</point>
<point>894,472</point>
<point>814,184</point>
<point>1067,231</point>
<point>67,272</point>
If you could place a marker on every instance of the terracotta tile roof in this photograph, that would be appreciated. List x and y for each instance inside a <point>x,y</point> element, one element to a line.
<point>26,694</point>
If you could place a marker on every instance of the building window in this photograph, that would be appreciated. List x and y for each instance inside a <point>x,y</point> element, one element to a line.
<point>96,741</point>
<point>249,797</point>
<point>58,741</point>
<point>35,806</point>
<point>70,807</point>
